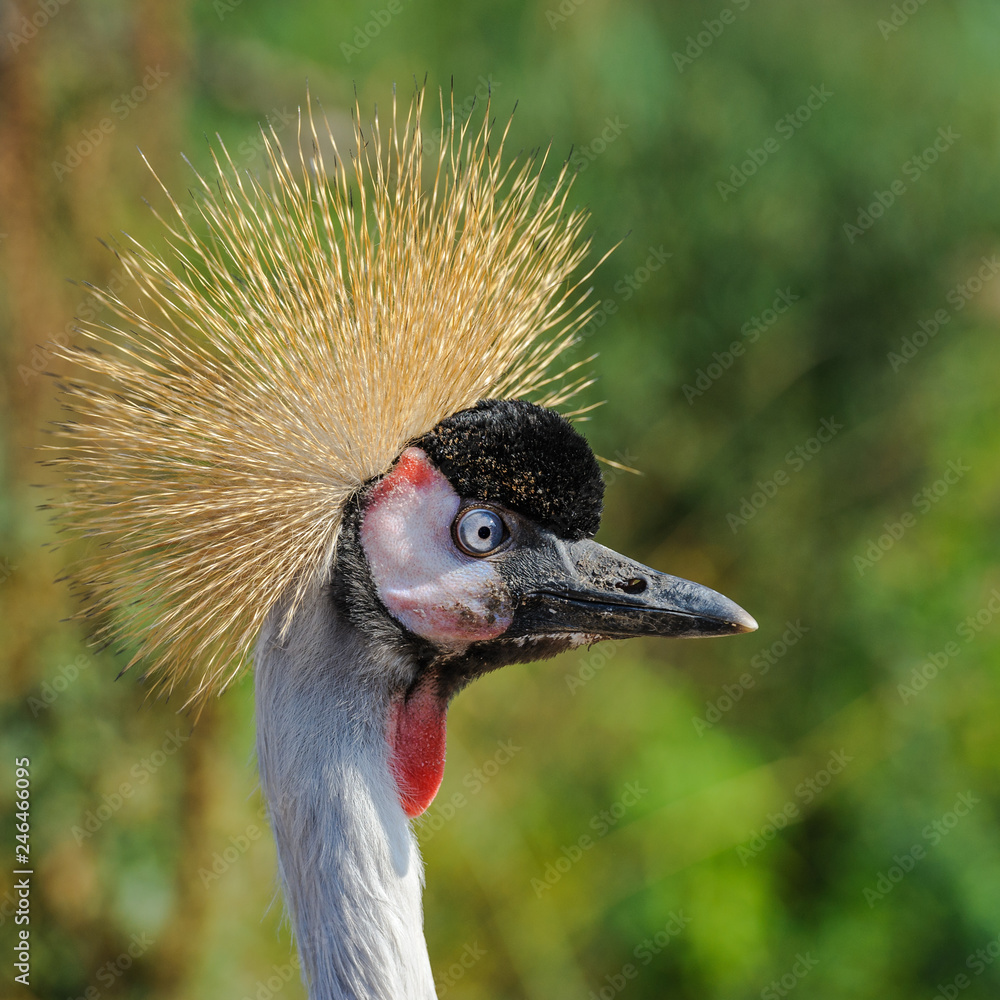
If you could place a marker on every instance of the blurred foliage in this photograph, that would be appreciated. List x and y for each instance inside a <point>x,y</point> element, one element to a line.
<point>864,553</point>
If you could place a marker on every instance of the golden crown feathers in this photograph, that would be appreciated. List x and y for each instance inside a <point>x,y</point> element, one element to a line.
<point>295,334</point>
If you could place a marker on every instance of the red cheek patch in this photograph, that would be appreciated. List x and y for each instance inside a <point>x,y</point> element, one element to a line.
<point>411,472</point>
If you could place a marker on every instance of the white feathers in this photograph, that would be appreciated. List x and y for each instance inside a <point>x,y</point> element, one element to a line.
<point>350,868</point>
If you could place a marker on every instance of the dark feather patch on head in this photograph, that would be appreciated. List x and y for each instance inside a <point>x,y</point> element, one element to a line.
<point>518,455</point>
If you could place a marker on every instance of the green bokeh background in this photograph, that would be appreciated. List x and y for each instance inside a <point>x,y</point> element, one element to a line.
<point>711,760</point>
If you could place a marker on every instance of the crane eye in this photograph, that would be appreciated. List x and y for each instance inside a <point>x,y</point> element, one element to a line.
<point>479,531</point>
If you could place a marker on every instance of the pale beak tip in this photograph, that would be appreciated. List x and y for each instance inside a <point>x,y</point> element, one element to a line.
<point>744,622</point>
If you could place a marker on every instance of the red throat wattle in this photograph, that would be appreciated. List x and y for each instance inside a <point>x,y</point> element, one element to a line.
<point>416,737</point>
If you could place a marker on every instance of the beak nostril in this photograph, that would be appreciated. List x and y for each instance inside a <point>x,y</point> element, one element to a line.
<point>634,585</point>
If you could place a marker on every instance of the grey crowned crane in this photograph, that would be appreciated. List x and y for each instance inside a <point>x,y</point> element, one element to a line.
<point>309,446</point>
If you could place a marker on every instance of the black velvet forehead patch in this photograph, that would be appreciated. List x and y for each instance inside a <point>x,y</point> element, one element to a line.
<point>516,454</point>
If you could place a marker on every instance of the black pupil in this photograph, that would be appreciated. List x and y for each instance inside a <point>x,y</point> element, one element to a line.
<point>485,532</point>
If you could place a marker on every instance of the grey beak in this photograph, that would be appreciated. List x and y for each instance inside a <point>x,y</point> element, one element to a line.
<point>588,588</point>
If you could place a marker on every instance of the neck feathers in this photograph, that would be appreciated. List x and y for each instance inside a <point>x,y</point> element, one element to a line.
<point>350,867</point>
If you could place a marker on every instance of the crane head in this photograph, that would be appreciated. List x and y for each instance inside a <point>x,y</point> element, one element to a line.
<point>477,546</point>
<point>288,398</point>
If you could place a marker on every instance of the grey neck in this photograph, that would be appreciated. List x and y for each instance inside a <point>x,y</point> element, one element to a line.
<point>348,862</point>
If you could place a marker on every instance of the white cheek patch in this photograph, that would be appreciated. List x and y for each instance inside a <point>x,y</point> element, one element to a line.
<point>423,580</point>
